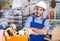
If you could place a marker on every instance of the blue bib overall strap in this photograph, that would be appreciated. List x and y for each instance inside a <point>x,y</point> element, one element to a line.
<point>39,26</point>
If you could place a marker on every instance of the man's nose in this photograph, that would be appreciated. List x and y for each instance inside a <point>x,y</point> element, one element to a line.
<point>37,12</point>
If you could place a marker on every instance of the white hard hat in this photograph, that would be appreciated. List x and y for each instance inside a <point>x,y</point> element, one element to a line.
<point>41,4</point>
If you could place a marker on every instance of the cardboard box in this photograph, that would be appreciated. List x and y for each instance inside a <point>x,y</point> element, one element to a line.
<point>56,34</point>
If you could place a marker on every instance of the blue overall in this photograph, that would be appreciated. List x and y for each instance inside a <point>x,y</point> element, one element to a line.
<point>39,26</point>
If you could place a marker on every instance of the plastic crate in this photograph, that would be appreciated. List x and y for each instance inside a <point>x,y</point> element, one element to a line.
<point>16,38</point>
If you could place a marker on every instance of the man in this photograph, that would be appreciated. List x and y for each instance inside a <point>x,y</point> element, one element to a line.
<point>37,23</point>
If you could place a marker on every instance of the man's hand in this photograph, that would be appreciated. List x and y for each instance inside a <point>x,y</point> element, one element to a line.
<point>28,31</point>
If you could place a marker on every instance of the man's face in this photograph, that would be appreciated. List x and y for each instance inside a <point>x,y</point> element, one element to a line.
<point>39,11</point>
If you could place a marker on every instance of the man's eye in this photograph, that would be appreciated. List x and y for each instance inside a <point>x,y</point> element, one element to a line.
<point>37,9</point>
<point>40,9</point>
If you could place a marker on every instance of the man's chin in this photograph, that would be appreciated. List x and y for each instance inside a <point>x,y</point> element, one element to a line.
<point>38,16</point>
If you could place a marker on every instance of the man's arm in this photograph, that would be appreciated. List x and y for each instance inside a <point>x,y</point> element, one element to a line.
<point>29,19</point>
<point>40,31</point>
<point>43,30</point>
